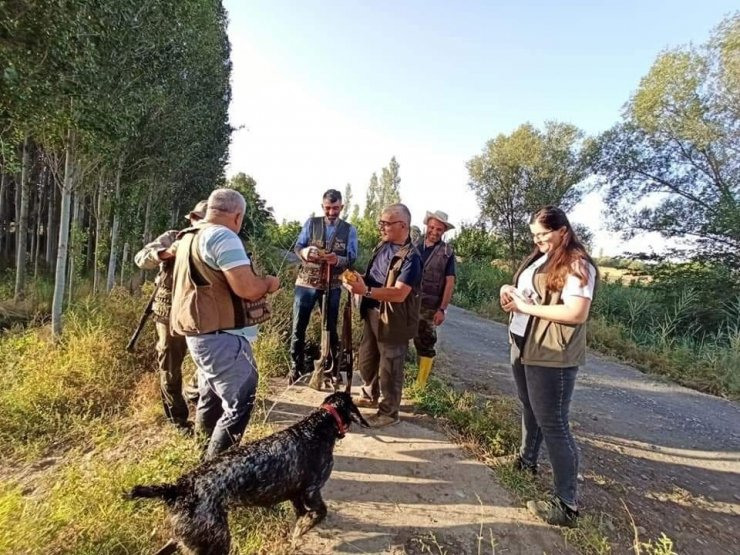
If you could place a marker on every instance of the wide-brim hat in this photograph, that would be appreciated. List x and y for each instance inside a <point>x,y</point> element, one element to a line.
<point>199,211</point>
<point>439,216</point>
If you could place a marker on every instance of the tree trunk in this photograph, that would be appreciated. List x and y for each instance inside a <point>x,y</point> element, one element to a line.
<point>74,245</point>
<point>175,214</point>
<point>114,230</point>
<point>22,223</point>
<point>50,231</point>
<point>147,234</point>
<point>98,236</point>
<point>41,204</point>
<point>11,199</point>
<point>124,261</point>
<point>35,225</point>
<point>4,233</point>
<point>90,249</point>
<point>17,214</point>
<point>61,266</point>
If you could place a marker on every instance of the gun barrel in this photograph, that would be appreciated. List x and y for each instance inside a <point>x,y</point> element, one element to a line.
<point>142,321</point>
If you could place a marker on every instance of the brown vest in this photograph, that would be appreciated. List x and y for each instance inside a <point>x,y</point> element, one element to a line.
<point>398,322</point>
<point>552,344</point>
<point>433,276</point>
<point>202,301</point>
<point>310,274</point>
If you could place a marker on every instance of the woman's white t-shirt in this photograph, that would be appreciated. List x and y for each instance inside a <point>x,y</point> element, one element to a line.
<point>525,287</point>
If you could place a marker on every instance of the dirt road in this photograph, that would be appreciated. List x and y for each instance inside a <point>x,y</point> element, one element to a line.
<point>672,454</point>
<point>407,489</point>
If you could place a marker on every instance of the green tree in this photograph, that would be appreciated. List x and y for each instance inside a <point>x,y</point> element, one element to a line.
<point>258,216</point>
<point>671,165</point>
<point>372,209</point>
<point>127,107</point>
<point>390,182</point>
<point>517,174</point>
<point>347,200</point>
<point>475,242</point>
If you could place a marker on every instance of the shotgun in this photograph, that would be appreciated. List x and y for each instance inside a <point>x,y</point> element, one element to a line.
<point>325,368</point>
<point>142,321</point>
<point>346,359</point>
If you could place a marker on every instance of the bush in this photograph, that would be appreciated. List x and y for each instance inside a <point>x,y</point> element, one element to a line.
<point>478,284</point>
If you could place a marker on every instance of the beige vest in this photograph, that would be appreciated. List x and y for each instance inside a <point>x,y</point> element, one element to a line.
<point>314,275</point>
<point>202,301</point>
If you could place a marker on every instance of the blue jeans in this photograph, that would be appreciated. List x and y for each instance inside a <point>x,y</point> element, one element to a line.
<point>227,383</point>
<point>303,303</point>
<point>545,395</point>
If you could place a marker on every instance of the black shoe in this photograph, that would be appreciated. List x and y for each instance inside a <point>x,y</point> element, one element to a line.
<point>554,512</point>
<point>520,466</point>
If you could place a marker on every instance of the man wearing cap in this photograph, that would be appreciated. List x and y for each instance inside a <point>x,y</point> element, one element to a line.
<point>437,286</point>
<point>324,241</point>
<point>171,349</point>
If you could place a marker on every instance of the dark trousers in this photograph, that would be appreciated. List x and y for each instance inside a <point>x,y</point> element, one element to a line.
<point>304,300</point>
<point>545,395</point>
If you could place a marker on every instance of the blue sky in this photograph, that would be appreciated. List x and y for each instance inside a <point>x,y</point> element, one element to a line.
<point>328,91</point>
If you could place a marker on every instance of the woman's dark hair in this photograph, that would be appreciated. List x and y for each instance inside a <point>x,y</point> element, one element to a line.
<point>570,257</point>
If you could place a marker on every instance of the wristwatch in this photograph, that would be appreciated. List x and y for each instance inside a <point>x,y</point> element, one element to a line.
<point>443,310</point>
<point>367,292</point>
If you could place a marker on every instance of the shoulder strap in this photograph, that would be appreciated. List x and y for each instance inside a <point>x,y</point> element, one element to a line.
<point>195,274</point>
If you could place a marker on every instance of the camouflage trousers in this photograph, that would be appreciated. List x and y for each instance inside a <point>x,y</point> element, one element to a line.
<point>426,337</point>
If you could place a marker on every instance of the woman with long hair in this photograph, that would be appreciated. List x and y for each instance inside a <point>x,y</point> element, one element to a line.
<point>549,305</point>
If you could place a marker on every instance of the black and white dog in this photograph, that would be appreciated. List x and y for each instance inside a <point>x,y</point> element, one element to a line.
<point>293,464</point>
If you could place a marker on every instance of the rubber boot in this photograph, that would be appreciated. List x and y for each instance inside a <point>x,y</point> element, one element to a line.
<point>425,368</point>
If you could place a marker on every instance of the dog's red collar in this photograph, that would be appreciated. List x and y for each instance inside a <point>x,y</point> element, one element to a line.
<point>331,410</point>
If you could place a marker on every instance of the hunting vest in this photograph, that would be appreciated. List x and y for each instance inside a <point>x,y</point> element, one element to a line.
<point>202,301</point>
<point>310,274</point>
<point>552,344</point>
<point>398,322</point>
<point>433,274</point>
<point>163,298</point>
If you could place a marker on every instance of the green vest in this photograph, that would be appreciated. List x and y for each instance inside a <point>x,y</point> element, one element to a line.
<point>552,344</point>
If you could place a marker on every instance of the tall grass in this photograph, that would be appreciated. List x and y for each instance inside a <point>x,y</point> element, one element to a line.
<point>477,286</point>
<point>50,392</point>
<point>81,422</point>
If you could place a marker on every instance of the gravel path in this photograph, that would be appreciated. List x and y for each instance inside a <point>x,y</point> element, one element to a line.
<point>670,453</point>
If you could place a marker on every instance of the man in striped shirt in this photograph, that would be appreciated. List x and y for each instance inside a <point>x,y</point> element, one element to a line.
<point>222,351</point>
